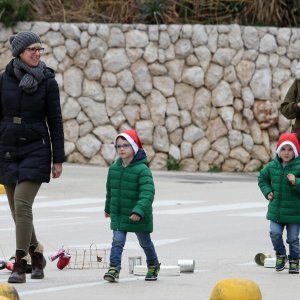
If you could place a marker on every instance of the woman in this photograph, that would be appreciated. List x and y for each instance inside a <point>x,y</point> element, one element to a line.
<point>31,139</point>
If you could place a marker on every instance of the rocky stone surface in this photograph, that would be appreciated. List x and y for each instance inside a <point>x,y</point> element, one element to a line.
<point>208,96</point>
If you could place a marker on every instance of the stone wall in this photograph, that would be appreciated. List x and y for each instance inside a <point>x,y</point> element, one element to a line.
<point>206,95</point>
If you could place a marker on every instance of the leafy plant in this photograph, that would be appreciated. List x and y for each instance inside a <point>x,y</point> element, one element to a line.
<point>152,10</point>
<point>12,11</point>
<point>215,169</point>
<point>172,164</point>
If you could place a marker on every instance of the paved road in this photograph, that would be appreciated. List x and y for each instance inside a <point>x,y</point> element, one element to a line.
<point>217,219</point>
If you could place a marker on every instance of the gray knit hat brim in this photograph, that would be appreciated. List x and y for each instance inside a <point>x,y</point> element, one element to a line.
<point>22,40</point>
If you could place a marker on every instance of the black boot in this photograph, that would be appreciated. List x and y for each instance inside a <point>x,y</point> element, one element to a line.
<point>38,261</point>
<point>18,274</point>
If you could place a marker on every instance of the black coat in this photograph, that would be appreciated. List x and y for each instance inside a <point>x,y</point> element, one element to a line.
<point>28,149</point>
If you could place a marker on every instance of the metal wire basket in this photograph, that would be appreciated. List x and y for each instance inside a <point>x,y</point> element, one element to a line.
<point>87,258</point>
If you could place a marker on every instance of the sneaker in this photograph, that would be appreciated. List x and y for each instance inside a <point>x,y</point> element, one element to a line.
<point>280,262</point>
<point>294,266</point>
<point>112,275</point>
<point>152,272</point>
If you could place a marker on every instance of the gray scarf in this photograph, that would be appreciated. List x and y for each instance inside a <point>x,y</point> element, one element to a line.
<point>29,77</point>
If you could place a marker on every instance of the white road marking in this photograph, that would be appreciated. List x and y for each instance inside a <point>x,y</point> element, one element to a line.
<point>60,224</point>
<point>250,214</point>
<point>130,245</point>
<point>71,287</point>
<point>212,208</point>
<point>60,203</point>
<point>156,204</point>
<point>68,202</point>
<point>198,271</point>
<point>247,264</point>
<point>3,198</point>
<point>86,201</point>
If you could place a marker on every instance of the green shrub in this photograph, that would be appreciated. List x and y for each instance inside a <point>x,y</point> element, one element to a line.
<point>13,11</point>
<point>172,164</point>
<point>215,169</point>
<point>152,11</point>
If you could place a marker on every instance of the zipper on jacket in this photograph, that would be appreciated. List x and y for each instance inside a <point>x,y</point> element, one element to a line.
<point>280,195</point>
<point>120,196</point>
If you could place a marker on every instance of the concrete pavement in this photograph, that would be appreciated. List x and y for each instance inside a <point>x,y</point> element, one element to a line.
<point>217,219</point>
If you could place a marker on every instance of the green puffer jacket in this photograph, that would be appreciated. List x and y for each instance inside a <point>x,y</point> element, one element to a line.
<point>285,206</point>
<point>289,106</point>
<point>130,190</point>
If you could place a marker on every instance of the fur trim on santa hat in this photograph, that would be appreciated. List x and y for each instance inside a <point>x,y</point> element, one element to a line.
<point>288,139</point>
<point>132,138</point>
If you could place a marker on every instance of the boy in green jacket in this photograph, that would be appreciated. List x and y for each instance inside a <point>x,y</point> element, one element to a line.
<point>279,181</point>
<point>129,196</point>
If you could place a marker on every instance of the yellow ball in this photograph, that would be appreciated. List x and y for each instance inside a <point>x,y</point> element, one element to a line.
<point>236,289</point>
<point>8,292</point>
<point>2,189</point>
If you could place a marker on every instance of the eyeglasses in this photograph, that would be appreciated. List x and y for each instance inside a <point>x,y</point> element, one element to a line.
<point>124,146</point>
<point>34,50</point>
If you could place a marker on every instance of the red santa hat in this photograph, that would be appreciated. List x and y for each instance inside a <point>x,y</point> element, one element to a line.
<point>132,138</point>
<point>288,139</point>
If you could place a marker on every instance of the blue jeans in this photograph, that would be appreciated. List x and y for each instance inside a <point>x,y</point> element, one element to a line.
<point>118,242</point>
<point>276,230</point>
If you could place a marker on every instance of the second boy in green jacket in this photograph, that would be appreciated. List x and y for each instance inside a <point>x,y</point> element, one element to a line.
<point>279,181</point>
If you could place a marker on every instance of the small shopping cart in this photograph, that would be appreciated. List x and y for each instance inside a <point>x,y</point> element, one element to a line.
<point>87,257</point>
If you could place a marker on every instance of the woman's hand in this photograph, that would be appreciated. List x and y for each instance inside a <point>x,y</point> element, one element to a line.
<point>106,215</point>
<point>56,170</point>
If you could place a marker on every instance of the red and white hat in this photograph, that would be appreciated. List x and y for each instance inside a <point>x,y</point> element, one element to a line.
<point>133,139</point>
<point>288,139</point>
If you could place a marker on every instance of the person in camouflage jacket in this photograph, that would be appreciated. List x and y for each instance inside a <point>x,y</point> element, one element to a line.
<point>290,108</point>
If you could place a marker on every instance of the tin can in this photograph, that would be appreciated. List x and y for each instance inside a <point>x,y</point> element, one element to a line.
<point>134,261</point>
<point>186,265</point>
<point>260,258</point>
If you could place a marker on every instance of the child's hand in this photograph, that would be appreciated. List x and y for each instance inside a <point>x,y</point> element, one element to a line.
<point>106,215</point>
<point>292,179</point>
<point>270,196</point>
<point>135,217</point>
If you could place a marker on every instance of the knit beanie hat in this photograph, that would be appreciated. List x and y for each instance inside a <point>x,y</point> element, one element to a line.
<point>22,40</point>
<point>132,138</point>
<point>288,139</point>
